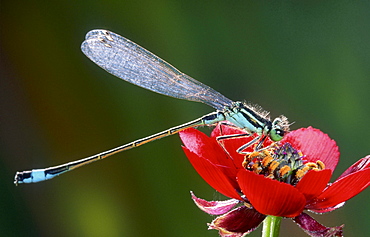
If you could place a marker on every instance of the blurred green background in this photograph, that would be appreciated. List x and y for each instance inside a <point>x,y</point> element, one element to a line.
<point>308,60</point>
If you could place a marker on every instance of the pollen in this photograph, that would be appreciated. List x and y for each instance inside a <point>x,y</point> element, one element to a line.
<point>273,166</point>
<point>248,205</point>
<point>320,165</point>
<point>284,170</point>
<point>305,169</point>
<point>267,160</point>
<point>300,173</point>
<point>256,168</point>
<point>249,158</point>
<point>311,165</point>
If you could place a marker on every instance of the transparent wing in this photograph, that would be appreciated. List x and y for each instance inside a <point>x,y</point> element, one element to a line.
<point>130,62</point>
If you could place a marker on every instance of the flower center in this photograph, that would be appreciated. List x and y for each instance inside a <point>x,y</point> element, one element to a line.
<point>284,163</point>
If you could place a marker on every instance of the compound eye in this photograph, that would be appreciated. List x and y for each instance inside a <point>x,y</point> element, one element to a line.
<point>277,134</point>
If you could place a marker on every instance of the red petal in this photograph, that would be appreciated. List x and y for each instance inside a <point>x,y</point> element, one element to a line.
<point>271,197</point>
<point>231,145</point>
<point>315,145</point>
<point>237,222</point>
<point>222,129</point>
<point>342,190</point>
<point>214,207</point>
<point>315,229</point>
<point>213,175</point>
<point>329,209</point>
<point>312,184</point>
<point>200,144</point>
<point>359,165</point>
<point>206,147</point>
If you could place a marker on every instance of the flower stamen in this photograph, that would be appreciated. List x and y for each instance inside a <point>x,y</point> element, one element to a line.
<point>284,170</point>
<point>284,164</point>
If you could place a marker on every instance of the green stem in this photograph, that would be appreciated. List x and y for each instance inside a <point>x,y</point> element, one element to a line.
<point>271,226</point>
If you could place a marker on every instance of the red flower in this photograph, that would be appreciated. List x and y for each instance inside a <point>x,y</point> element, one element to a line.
<point>281,181</point>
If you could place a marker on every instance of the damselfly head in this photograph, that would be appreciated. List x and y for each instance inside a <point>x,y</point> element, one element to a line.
<point>280,126</point>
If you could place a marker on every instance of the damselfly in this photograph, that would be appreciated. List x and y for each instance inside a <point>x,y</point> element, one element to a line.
<point>130,62</point>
